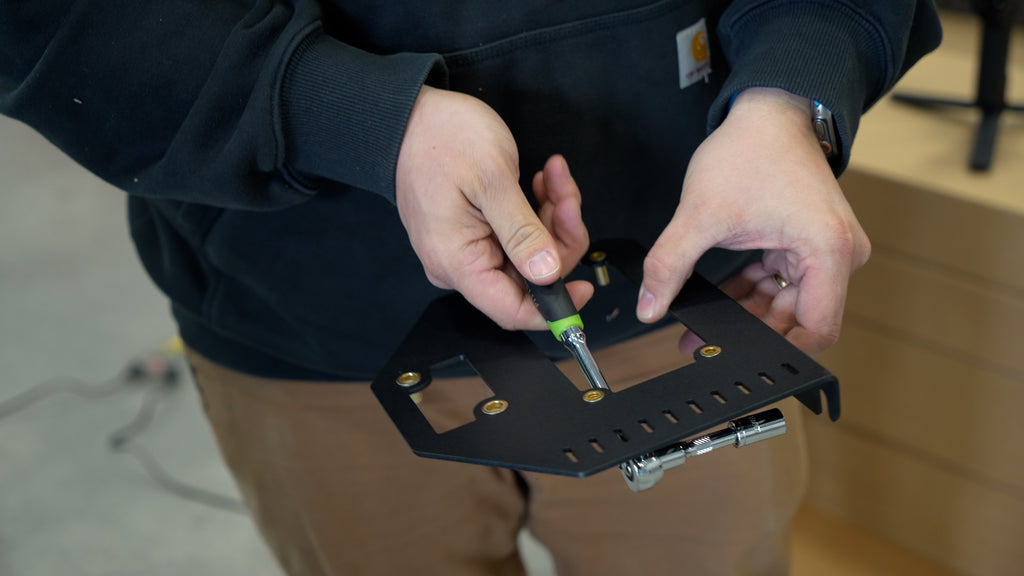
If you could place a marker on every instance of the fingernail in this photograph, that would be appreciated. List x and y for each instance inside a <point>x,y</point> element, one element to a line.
<point>543,264</point>
<point>645,305</point>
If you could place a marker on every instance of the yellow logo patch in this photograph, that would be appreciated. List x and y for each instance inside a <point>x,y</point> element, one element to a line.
<point>694,54</point>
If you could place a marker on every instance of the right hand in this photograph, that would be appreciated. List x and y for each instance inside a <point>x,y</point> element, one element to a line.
<point>458,196</point>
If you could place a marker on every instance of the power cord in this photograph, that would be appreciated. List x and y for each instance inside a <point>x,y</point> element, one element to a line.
<point>80,388</point>
<point>158,373</point>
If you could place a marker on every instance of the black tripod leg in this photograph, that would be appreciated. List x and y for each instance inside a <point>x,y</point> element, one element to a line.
<point>919,100</point>
<point>985,141</point>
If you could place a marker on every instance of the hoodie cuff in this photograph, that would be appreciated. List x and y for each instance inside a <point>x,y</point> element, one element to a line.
<point>830,60</point>
<point>344,112</point>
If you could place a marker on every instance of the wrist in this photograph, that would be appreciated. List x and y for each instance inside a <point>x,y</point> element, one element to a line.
<point>760,100</point>
<point>788,114</point>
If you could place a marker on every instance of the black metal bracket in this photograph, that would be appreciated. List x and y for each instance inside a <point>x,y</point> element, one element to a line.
<point>546,425</point>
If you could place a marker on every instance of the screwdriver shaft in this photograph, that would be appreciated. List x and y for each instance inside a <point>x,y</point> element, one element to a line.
<point>574,339</point>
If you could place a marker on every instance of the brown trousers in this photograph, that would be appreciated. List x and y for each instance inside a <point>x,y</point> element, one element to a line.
<point>334,489</point>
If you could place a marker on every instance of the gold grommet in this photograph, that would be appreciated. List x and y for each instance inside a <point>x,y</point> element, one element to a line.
<point>593,395</point>
<point>409,379</point>
<point>710,351</point>
<point>494,407</point>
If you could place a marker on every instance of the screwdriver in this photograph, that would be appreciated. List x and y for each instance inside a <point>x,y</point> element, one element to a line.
<point>563,319</point>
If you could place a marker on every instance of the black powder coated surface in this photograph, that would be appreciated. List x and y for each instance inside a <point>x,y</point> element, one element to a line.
<point>548,427</point>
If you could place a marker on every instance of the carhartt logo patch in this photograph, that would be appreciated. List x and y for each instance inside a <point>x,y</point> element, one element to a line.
<point>694,54</point>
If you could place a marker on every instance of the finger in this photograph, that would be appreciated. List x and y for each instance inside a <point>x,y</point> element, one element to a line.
<point>743,283</point>
<point>799,312</point>
<point>524,238</point>
<point>819,309</point>
<point>778,311</point>
<point>539,190</point>
<point>581,292</point>
<point>558,181</point>
<point>561,212</point>
<point>756,290</point>
<point>668,265</point>
<point>502,297</point>
<point>689,342</point>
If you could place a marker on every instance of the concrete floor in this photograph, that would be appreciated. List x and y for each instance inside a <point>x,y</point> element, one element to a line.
<point>75,303</point>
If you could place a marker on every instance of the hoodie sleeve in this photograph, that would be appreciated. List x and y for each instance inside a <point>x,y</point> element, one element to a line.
<point>237,104</point>
<point>845,54</point>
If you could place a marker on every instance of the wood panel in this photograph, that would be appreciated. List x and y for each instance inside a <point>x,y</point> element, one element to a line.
<point>933,407</point>
<point>943,229</point>
<point>826,545</point>
<point>929,452</point>
<point>935,307</point>
<point>933,512</point>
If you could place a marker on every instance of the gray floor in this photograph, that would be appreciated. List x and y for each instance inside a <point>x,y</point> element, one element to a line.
<point>74,302</point>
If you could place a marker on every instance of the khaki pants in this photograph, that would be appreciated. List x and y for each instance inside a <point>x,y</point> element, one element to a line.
<point>334,489</point>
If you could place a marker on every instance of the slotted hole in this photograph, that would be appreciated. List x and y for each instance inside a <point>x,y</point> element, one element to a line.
<point>670,416</point>
<point>571,455</point>
<point>695,407</point>
<point>621,435</point>
<point>742,388</point>
<point>721,399</point>
<point>767,379</point>
<point>596,446</point>
<point>646,426</point>
<point>790,368</point>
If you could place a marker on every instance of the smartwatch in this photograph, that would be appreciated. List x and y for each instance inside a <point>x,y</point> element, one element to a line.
<point>824,128</point>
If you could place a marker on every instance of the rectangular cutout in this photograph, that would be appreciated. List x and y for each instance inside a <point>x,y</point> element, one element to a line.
<point>767,379</point>
<point>596,446</point>
<point>742,388</point>
<point>571,370</point>
<point>646,426</point>
<point>571,455</point>
<point>449,402</point>
<point>621,435</point>
<point>670,416</point>
<point>721,399</point>
<point>695,407</point>
<point>790,368</point>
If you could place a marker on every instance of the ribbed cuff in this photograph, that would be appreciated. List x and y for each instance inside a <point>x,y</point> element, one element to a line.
<point>344,111</point>
<point>805,49</point>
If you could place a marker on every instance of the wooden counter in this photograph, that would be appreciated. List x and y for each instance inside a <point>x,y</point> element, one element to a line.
<point>929,453</point>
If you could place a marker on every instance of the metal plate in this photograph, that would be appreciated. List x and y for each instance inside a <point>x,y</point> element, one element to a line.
<point>548,426</point>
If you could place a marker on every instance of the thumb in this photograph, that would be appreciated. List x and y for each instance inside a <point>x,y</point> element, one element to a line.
<point>667,266</point>
<point>528,244</point>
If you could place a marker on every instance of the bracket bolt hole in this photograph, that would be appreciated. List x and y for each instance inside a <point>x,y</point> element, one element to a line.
<point>593,395</point>
<point>710,351</point>
<point>494,407</point>
<point>409,379</point>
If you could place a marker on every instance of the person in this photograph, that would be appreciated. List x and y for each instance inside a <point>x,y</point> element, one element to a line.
<point>305,176</point>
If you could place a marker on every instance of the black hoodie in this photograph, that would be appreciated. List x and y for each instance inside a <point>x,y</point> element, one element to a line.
<point>257,141</point>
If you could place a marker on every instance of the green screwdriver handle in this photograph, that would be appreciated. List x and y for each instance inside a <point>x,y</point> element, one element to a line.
<point>555,306</point>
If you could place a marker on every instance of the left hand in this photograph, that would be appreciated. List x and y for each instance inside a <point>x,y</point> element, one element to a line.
<point>760,181</point>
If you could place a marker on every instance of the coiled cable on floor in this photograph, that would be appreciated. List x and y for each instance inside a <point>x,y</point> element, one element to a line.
<point>160,377</point>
